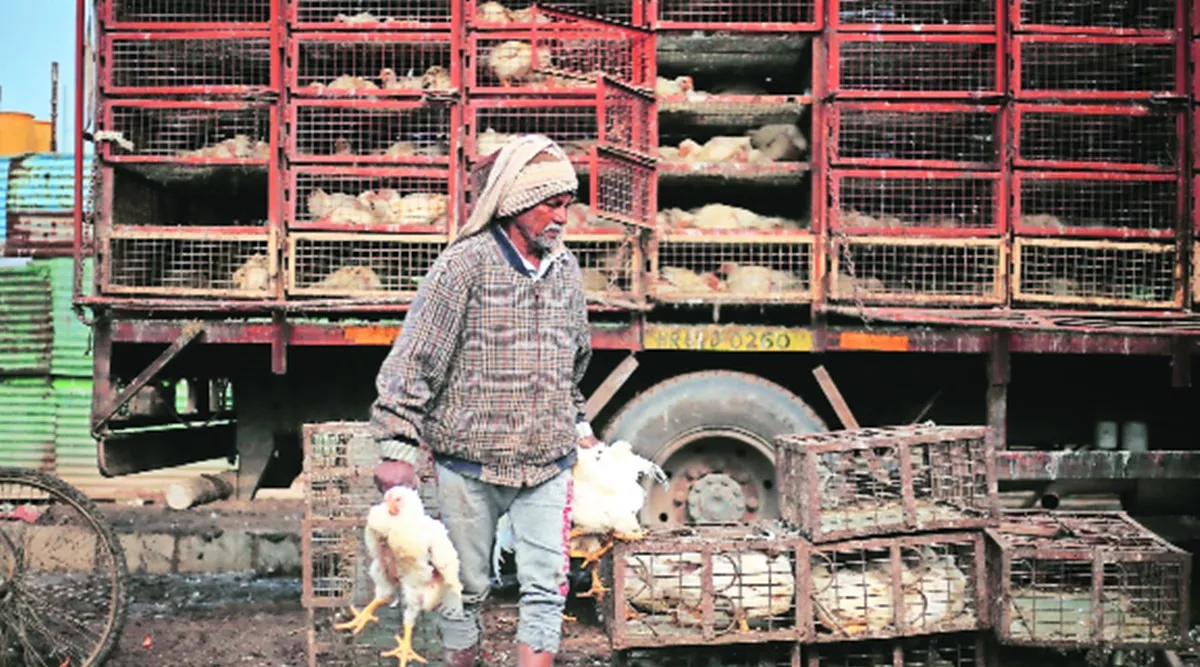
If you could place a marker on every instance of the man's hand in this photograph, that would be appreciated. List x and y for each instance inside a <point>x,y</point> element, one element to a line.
<point>395,473</point>
<point>588,442</point>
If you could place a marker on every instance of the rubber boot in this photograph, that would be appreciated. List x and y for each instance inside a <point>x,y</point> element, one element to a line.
<point>527,657</point>
<point>462,658</point>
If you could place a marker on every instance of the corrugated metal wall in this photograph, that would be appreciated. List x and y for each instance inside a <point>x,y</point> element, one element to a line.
<point>3,201</point>
<point>26,331</point>
<point>40,203</point>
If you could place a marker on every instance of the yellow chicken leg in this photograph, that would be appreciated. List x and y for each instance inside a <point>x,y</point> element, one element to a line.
<point>361,618</point>
<point>504,82</point>
<point>597,590</point>
<point>404,651</point>
<point>743,625</point>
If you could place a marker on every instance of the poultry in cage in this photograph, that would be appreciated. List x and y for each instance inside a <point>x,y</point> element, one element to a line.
<point>513,60</point>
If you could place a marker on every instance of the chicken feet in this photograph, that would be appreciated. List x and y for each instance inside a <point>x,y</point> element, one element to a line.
<point>404,650</point>
<point>597,590</point>
<point>361,618</point>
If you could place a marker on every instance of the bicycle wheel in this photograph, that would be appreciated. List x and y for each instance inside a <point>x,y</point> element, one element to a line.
<point>62,574</point>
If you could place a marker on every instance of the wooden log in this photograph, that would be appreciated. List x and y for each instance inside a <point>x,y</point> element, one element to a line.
<point>201,490</point>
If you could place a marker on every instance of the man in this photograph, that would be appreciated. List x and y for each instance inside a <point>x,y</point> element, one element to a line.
<point>486,373</point>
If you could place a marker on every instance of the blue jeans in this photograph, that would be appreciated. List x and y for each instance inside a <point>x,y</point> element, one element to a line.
<point>470,510</point>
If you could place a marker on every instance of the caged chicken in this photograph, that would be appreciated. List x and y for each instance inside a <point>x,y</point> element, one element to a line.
<point>410,550</point>
<point>513,60</point>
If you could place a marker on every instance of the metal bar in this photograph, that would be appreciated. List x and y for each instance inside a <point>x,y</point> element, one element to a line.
<point>997,393</point>
<point>835,398</point>
<point>189,333</point>
<point>610,386</point>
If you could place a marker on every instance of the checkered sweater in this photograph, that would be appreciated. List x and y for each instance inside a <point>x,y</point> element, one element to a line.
<point>487,366</point>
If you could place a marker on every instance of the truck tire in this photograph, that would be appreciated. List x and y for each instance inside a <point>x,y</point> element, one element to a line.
<point>713,434</point>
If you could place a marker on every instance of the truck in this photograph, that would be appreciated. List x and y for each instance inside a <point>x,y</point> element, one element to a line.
<point>795,216</point>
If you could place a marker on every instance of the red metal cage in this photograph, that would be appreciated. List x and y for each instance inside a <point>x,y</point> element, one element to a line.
<point>572,123</point>
<point>742,16</point>
<point>371,132</point>
<point>378,65</point>
<point>864,65</point>
<point>1152,17</point>
<point>365,199</point>
<point>191,132</point>
<point>733,267</point>
<point>932,136</point>
<point>895,270</point>
<point>557,61</point>
<point>1106,137</point>
<point>1061,67</point>
<point>194,15</point>
<point>523,15</point>
<point>197,263</point>
<point>188,63</point>
<point>372,15</point>
<point>387,266</point>
<point>916,16</point>
<point>907,203</point>
<point>1100,205</point>
<point>1103,274</point>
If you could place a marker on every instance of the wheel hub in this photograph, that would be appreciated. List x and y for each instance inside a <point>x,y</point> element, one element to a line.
<point>716,497</point>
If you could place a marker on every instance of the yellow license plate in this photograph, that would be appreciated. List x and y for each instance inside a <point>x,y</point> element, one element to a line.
<point>727,338</point>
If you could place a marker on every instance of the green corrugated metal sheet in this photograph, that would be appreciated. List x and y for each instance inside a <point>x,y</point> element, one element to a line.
<point>71,354</point>
<point>75,450</point>
<point>26,330</point>
<point>27,423</point>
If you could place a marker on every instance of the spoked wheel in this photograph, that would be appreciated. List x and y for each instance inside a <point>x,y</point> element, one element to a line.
<point>62,575</point>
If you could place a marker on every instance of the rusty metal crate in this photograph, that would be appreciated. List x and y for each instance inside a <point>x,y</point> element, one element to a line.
<point>1071,579</point>
<point>776,654</point>
<point>198,262</point>
<point>188,63</point>
<point>877,481</point>
<point>1079,17</point>
<point>694,586</point>
<point>1129,137</point>
<point>899,270</point>
<point>910,203</point>
<point>369,199</point>
<point>864,65</point>
<point>366,132</point>
<point>1113,274</point>
<point>733,268</point>
<point>967,649</point>
<point>334,553</point>
<point>1059,67</point>
<point>610,265</point>
<point>939,580</point>
<point>188,15</point>
<point>360,265</point>
<point>931,136</point>
<point>916,16</point>
<point>560,61</point>
<point>189,132</point>
<point>331,64</point>
<point>370,15</point>
<point>753,16</point>
<point>1100,205</point>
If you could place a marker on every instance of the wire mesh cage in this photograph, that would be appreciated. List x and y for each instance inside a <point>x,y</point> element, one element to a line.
<point>630,120</point>
<point>1126,137</point>
<point>560,62</point>
<point>898,586</point>
<point>369,15</point>
<point>776,654</point>
<point>1070,579</point>
<point>192,263</point>
<point>186,14</point>
<point>205,196</point>
<point>404,200</point>
<point>930,66</point>
<point>883,269</point>
<point>709,586</point>
<point>624,188</point>
<point>952,650</point>
<point>1080,68</point>
<point>360,265</point>
<point>493,15</point>
<point>754,16</point>
<point>932,203</point>
<point>1110,204</point>
<point>334,552</point>
<point>876,481</point>
<point>1097,273</point>
<point>371,64</point>
<point>723,219</point>
<point>733,268</point>
<point>611,266</point>
<point>572,124</point>
<point>1084,17</point>
<point>933,136</point>
<point>188,63</point>
<point>914,15</point>
<point>167,131</point>
<point>371,132</point>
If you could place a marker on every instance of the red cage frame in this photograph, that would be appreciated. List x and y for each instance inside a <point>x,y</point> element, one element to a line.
<point>292,205</point>
<point>998,228</point>
<point>292,73</point>
<point>1020,110</point>
<point>642,58</point>
<point>1049,28</point>
<point>1019,92</point>
<point>834,71</point>
<point>1096,232</point>
<point>105,149</point>
<point>835,113</point>
<point>994,27</point>
<point>639,16</point>
<point>452,22</point>
<point>106,11</point>
<point>294,155</point>
<point>106,70</point>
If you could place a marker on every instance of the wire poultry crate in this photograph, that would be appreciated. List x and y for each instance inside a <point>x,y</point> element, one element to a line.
<point>931,136</point>
<point>194,263</point>
<point>559,61</point>
<point>209,197</point>
<point>939,580</point>
<point>1080,17</point>
<point>624,188</point>
<point>628,118</point>
<point>523,15</point>
<point>899,270</point>
<point>754,16</point>
<point>1065,68</point>
<point>1110,274</point>
<point>387,266</point>
<point>571,123</point>
<point>875,481</point>
<point>1109,204</point>
<point>926,203</point>
<point>778,654</point>
<point>363,132</point>
<point>953,650</point>
<point>120,15</point>
<point>1070,579</point>
<point>904,65</point>
<point>733,268</point>
<point>916,15</point>
<point>189,132</point>
<point>710,586</point>
<point>331,64</point>
<point>334,552</point>
<point>362,199</point>
<point>228,62</point>
<point>370,15</point>
<point>1105,137</point>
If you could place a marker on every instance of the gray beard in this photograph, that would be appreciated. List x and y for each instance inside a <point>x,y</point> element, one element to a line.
<point>542,243</point>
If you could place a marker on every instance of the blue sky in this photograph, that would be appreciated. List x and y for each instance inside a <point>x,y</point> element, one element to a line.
<point>33,34</point>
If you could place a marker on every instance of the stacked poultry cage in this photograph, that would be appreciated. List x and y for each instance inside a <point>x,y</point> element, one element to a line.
<point>735,127</point>
<point>187,144</point>
<point>577,72</point>
<point>1099,153</point>
<point>916,146</point>
<point>371,128</point>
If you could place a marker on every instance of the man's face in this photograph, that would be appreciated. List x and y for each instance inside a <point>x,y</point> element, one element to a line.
<point>542,226</point>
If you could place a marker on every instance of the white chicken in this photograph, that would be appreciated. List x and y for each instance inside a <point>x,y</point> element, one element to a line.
<point>513,60</point>
<point>410,550</point>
